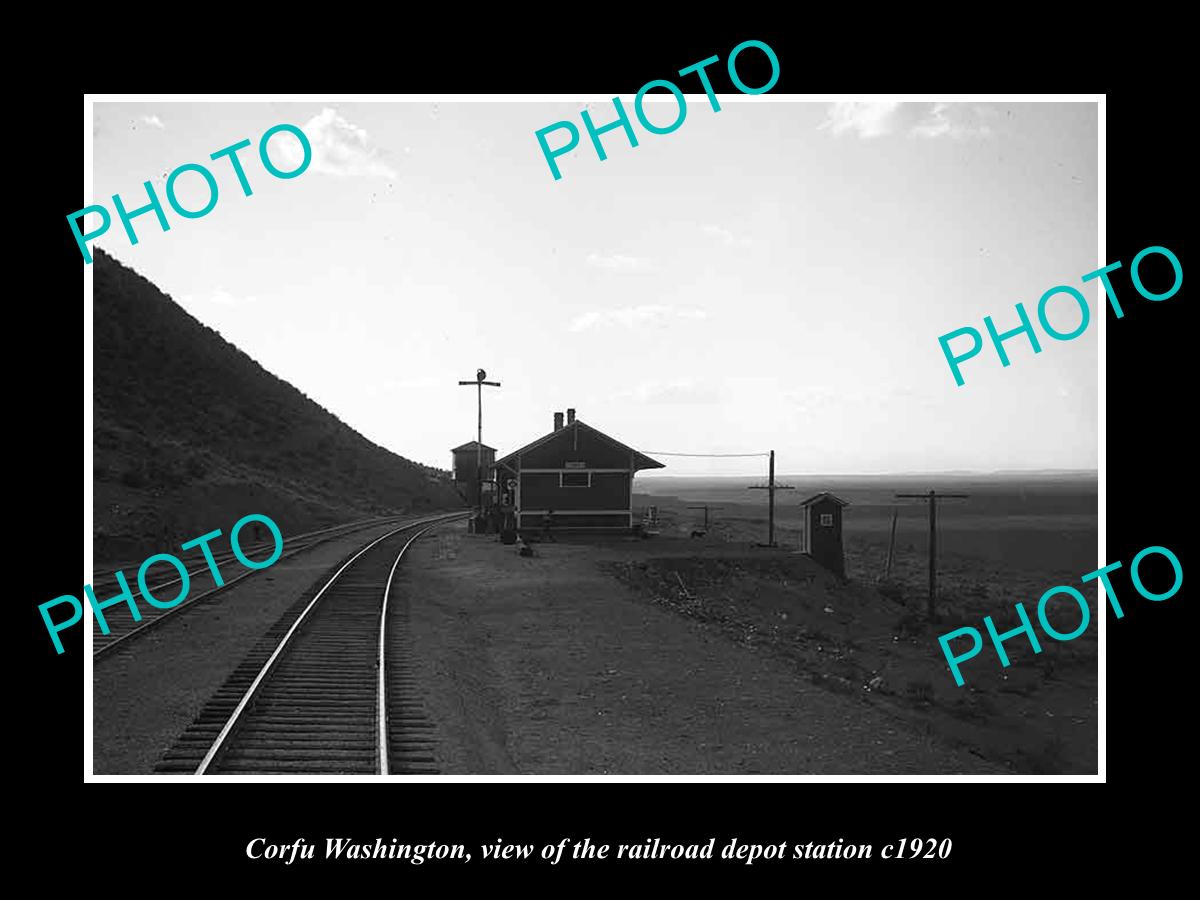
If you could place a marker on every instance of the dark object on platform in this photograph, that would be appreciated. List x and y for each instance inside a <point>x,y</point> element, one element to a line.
<point>524,549</point>
<point>508,536</point>
<point>548,527</point>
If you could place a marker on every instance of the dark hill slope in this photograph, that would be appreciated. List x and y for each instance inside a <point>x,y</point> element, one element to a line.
<point>191,434</point>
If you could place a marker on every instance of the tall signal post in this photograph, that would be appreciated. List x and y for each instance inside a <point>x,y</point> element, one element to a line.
<point>479,382</point>
<point>933,497</point>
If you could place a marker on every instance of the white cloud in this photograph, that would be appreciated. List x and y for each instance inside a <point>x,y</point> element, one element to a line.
<point>635,316</point>
<point>339,147</point>
<point>617,262</point>
<point>867,119</point>
<point>811,398</point>
<point>824,399</point>
<point>728,237</point>
<point>219,297</point>
<point>153,120</point>
<point>410,385</point>
<point>679,390</point>
<point>957,120</point>
<point>926,120</point>
<point>406,384</point>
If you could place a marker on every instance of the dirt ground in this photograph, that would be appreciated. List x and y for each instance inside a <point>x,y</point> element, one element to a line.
<point>1010,542</point>
<point>561,664</point>
<point>1036,717</point>
<point>143,697</point>
<point>626,656</point>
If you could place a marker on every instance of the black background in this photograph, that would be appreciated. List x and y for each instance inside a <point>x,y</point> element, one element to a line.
<point>199,832</point>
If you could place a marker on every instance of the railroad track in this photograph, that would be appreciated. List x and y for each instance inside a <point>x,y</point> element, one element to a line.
<point>123,629</point>
<point>103,585</point>
<point>328,689</point>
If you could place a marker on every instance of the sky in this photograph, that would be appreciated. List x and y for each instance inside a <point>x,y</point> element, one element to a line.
<point>774,275</point>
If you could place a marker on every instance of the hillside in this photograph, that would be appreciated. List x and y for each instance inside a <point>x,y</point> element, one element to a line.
<point>190,434</point>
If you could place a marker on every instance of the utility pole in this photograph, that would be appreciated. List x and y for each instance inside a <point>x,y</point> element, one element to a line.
<point>479,382</point>
<point>771,487</point>
<point>933,497</point>
<point>887,569</point>
<point>706,508</point>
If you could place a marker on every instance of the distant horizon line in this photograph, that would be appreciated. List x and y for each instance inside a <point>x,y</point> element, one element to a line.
<point>954,472</point>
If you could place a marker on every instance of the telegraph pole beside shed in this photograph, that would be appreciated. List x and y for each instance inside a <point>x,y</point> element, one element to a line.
<point>933,497</point>
<point>771,487</point>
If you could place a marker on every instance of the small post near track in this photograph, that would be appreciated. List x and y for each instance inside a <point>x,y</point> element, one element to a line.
<point>706,507</point>
<point>887,567</point>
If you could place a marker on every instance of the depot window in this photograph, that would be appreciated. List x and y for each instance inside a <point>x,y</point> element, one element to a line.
<point>827,519</point>
<point>575,479</point>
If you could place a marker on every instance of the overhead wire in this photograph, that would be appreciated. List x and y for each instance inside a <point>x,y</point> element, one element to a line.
<point>705,455</point>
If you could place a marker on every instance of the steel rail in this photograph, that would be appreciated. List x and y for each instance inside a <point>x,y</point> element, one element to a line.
<point>223,557</point>
<point>148,623</point>
<point>246,698</point>
<point>383,733</point>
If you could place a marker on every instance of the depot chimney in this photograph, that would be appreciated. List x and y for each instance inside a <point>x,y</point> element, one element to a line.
<point>570,416</point>
<point>557,421</point>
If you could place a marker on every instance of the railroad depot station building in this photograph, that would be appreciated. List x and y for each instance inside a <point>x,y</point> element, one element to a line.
<point>577,474</point>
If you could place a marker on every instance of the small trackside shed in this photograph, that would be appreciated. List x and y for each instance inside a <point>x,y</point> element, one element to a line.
<point>822,536</point>
<point>582,474</point>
